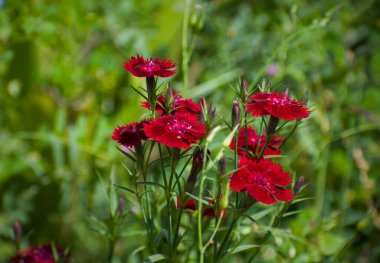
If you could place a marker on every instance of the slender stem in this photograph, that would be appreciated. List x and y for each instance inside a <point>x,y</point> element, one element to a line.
<point>110,250</point>
<point>199,219</point>
<point>162,166</point>
<point>275,222</point>
<point>226,238</point>
<point>185,45</point>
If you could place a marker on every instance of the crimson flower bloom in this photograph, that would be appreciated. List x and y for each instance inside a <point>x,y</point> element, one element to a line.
<point>276,105</point>
<point>189,205</point>
<point>140,67</point>
<point>263,179</point>
<point>42,254</point>
<point>210,211</point>
<point>253,141</point>
<point>178,105</point>
<point>175,131</point>
<point>129,135</point>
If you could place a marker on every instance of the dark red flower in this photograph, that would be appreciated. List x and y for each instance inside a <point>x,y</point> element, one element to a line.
<point>210,211</point>
<point>253,140</point>
<point>140,67</point>
<point>176,131</point>
<point>41,254</point>
<point>178,105</point>
<point>263,179</point>
<point>278,105</point>
<point>189,205</point>
<point>129,135</point>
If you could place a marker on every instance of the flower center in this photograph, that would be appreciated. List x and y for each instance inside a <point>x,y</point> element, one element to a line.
<point>260,180</point>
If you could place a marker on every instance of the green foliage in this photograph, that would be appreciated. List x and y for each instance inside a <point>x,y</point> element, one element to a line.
<point>63,90</point>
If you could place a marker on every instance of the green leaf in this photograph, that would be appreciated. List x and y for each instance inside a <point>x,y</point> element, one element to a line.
<point>241,248</point>
<point>97,226</point>
<point>112,193</point>
<point>197,198</point>
<point>330,243</point>
<point>125,188</point>
<point>54,250</point>
<point>155,258</point>
<point>292,213</point>
<point>137,250</point>
<point>152,184</point>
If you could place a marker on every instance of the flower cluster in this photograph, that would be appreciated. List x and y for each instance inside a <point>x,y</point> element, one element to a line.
<point>178,125</point>
<point>187,130</point>
<point>264,180</point>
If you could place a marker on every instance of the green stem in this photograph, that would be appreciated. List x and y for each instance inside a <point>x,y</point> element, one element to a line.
<point>185,45</point>
<point>110,250</point>
<point>226,238</point>
<point>275,222</point>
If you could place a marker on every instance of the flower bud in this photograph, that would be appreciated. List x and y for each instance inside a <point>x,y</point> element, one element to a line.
<point>120,206</point>
<point>235,114</point>
<point>222,165</point>
<point>305,99</point>
<point>17,231</point>
<point>298,185</point>
<point>203,103</point>
<point>195,169</point>
<point>272,69</point>
<point>169,98</point>
<point>225,195</point>
<point>243,88</point>
<point>273,121</point>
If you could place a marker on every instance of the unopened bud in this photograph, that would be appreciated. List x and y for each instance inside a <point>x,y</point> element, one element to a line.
<point>195,169</point>
<point>17,231</point>
<point>286,92</point>
<point>120,206</point>
<point>211,114</point>
<point>298,185</point>
<point>169,96</point>
<point>273,121</point>
<point>243,88</point>
<point>235,114</point>
<point>203,103</point>
<point>225,195</point>
<point>305,99</point>
<point>222,165</point>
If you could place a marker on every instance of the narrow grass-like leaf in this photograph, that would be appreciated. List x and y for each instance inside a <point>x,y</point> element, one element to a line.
<point>241,248</point>
<point>125,188</point>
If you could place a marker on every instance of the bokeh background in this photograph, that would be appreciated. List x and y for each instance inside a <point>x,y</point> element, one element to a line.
<point>63,90</point>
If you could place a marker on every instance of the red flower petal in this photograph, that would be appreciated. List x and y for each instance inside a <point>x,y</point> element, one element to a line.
<point>129,135</point>
<point>277,105</point>
<point>175,131</point>
<point>42,254</point>
<point>178,105</point>
<point>140,67</point>
<point>253,140</point>
<point>263,179</point>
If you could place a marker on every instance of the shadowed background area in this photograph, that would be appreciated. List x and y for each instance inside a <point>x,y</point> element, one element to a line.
<point>63,90</point>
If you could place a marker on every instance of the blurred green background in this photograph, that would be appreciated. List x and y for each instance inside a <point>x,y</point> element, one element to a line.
<point>63,90</point>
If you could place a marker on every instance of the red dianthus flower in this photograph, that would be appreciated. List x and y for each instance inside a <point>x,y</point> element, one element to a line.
<point>210,211</point>
<point>175,131</point>
<point>253,140</point>
<point>178,105</point>
<point>189,205</point>
<point>42,254</point>
<point>277,105</point>
<point>140,67</point>
<point>263,179</point>
<point>129,135</point>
